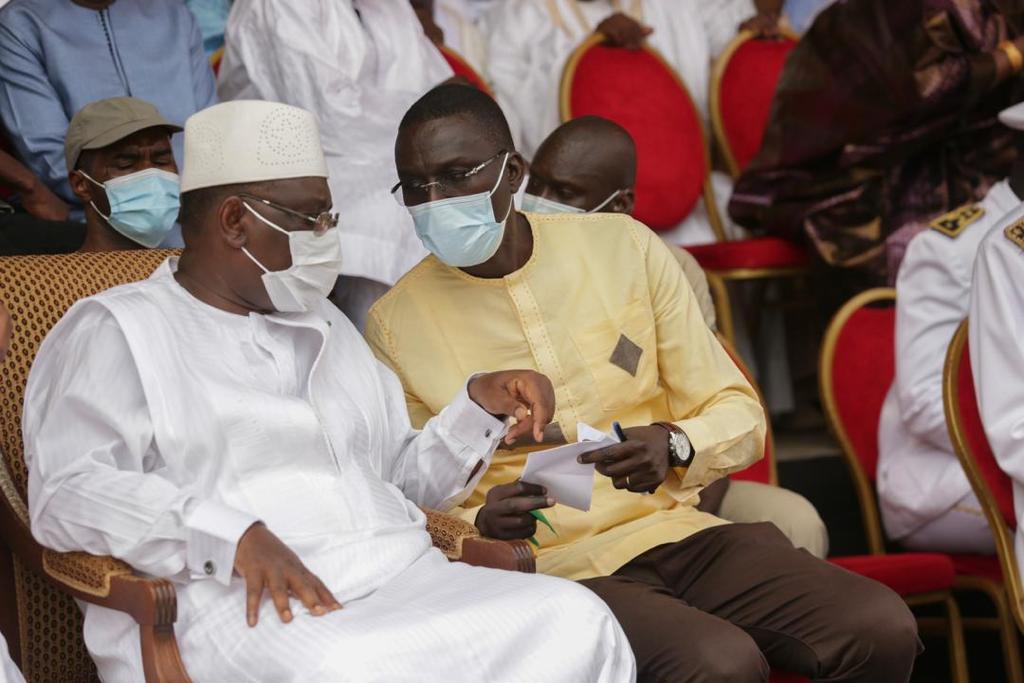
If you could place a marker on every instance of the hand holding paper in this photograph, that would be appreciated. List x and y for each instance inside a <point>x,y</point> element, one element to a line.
<point>558,470</point>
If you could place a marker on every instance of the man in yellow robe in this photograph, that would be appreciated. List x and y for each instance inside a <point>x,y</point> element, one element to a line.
<point>599,305</point>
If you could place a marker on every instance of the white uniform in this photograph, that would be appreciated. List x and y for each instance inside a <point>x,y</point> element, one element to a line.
<point>460,20</point>
<point>8,672</point>
<point>158,428</point>
<point>924,495</point>
<point>531,40</point>
<point>359,73</point>
<point>996,331</point>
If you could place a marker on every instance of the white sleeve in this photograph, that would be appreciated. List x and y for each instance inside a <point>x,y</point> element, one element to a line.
<point>438,467</point>
<point>996,329</point>
<point>931,299</point>
<point>95,481</point>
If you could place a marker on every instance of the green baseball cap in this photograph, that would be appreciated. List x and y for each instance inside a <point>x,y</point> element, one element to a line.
<point>104,122</point>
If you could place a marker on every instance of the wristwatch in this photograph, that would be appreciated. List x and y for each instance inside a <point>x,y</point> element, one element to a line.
<point>680,450</point>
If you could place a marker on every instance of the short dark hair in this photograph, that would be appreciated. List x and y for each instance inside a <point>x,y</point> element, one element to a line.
<point>453,100</point>
<point>196,204</point>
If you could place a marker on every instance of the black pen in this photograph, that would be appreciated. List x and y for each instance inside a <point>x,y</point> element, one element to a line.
<point>617,428</point>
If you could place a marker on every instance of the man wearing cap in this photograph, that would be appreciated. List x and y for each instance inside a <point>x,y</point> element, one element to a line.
<point>926,501</point>
<point>149,49</point>
<point>121,166</point>
<point>245,444</point>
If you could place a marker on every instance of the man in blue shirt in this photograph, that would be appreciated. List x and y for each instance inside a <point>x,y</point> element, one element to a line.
<point>56,56</point>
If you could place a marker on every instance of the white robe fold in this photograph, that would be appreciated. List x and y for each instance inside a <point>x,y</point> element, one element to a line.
<point>359,73</point>
<point>158,429</point>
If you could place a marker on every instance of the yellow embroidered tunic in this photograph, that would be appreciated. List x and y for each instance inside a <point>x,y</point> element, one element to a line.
<point>603,309</point>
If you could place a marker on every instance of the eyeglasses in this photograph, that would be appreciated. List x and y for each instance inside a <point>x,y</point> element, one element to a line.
<point>410,193</point>
<point>322,222</point>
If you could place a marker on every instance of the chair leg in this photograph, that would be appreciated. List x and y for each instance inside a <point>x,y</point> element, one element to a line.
<point>1009,638</point>
<point>723,306</point>
<point>957,646</point>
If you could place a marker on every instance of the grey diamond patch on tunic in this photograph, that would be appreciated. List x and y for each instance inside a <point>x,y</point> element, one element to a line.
<point>626,355</point>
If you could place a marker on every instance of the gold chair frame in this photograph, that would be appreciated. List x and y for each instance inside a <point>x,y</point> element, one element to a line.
<point>1007,597</point>
<point>953,621</point>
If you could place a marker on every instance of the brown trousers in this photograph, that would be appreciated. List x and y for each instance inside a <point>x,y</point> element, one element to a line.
<point>724,604</point>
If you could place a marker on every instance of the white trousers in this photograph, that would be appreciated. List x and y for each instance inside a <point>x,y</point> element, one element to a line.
<point>962,529</point>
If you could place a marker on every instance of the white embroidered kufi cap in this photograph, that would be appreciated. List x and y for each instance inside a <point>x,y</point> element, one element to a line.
<point>250,141</point>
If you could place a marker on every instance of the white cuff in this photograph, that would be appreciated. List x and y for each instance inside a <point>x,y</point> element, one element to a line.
<point>213,533</point>
<point>465,421</point>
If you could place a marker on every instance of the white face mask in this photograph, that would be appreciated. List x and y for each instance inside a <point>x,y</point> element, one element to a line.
<point>316,265</point>
<point>535,204</point>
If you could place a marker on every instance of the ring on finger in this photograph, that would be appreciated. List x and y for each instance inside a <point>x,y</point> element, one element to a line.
<point>627,481</point>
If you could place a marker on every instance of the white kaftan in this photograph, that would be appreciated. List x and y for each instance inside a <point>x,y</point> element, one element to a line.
<point>530,41</point>
<point>920,480</point>
<point>461,25</point>
<point>158,428</point>
<point>359,73</point>
<point>996,329</point>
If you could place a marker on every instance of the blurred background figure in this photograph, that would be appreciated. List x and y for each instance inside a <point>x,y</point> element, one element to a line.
<point>57,57</point>
<point>457,25</point>
<point>884,118</point>
<point>212,17</point>
<point>359,64</point>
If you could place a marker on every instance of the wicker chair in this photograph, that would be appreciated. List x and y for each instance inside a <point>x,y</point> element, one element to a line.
<point>48,644</point>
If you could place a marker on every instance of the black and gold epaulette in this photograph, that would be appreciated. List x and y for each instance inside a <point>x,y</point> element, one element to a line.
<point>1015,233</point>
<point>953,223</point>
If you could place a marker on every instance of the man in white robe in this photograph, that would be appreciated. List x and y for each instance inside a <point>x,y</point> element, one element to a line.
<point>223,426</point>
<point>531,40</point>
<point>925,498</point>
<point>358,65</point>
<point>455,24</point>
<point>995,330</point>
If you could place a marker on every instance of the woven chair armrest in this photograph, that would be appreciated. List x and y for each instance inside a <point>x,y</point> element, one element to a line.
<point>111,583</point>
<point>460,541</point>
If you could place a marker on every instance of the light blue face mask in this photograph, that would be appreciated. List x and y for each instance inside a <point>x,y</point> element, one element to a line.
<point>462,231</point>
<point>143,205</point>
<point>534,204</point>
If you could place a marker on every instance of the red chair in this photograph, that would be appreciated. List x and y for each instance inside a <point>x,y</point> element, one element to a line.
<point>857,367</point>
<point>462,68</point>
<point>998,577</point>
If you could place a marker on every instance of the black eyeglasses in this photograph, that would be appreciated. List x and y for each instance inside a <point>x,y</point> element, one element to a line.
<point>409,193</point>
<point>322,222</point>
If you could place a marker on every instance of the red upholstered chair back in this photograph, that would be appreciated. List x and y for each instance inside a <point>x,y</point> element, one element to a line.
<point>763,471</point>
<point>638,90</point>
<point>462,68</point>
<point>967,431</point>
<point>742,90</point>
<point>857,366</point>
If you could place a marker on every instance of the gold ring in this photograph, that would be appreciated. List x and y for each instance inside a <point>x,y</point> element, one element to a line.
<point>627,481</point>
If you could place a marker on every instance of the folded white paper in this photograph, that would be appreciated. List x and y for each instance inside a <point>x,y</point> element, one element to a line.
<point>556,469</point>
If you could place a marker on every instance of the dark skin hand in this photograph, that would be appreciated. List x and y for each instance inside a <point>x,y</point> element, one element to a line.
<point>506,514</point>
<point>524,395</point>
<point>763,25</point>
<point>638,464</point>
<point>36,198</point>
<point>268,565</point>
<point>621,30</point>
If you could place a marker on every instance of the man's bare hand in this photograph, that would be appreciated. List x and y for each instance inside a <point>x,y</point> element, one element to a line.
<point>506,512</point>
<point>621,30</point>
<point>523,394</point>
<point>267,564</point>
<point>639,464</point>
<point>40,202</point>
<point>763,25</point>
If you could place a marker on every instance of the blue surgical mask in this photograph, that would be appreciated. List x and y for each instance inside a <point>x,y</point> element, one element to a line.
<point>462,231</point>
<point>143,205</point>
<point>535,204</point>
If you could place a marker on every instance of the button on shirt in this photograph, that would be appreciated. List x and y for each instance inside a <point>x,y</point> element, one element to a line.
<point>919,476</point>
<point>57,57</point>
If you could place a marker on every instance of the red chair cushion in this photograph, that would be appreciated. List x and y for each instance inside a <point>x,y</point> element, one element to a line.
<point>995,478</point>
<point>984,566</point>
<point>745,94</point>
<point>638,91</point>
<point>864,365</point>
<point>905,573</point>
<point>759,252</point>
<point>462,68</point>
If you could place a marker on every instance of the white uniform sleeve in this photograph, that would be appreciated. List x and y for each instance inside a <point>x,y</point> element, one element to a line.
<point>433,466</point>
<point>996,329</point>
<point>94,471</point>
<point>932,293</point>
